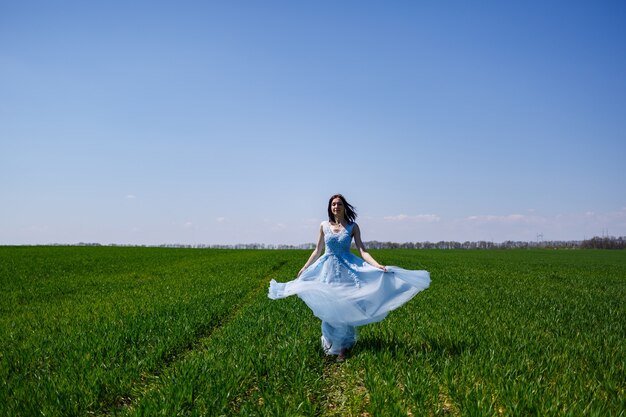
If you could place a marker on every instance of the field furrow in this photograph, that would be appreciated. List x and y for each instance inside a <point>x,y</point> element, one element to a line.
<point>150,381</point>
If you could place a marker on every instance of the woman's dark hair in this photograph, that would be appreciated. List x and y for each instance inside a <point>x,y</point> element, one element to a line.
<point>350,211</point>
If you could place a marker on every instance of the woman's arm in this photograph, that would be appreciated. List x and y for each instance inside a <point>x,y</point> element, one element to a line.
<point>319,248</point>
<point>356,232</point>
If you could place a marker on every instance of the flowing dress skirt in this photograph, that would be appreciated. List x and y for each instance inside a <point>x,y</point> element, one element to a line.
<point>344,292</point>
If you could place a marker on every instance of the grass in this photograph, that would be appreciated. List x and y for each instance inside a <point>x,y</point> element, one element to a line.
<point>153,331</point>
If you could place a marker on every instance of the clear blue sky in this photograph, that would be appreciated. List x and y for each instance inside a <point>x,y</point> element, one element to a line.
<point>155,122</point>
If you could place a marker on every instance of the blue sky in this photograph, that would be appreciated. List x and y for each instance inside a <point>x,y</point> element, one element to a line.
<point>233,122</point>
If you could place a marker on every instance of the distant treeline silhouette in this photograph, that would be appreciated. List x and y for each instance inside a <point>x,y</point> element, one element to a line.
<point>593,243</point>
<point>604,243</point>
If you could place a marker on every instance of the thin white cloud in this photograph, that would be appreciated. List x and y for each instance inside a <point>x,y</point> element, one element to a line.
<point>309,224</point>
<point>37,228</point>
<point>279,226</point>
<point>604,220</point>
<point>423,218</point>
<point>220,219</point>
<point>130,196</point>
<point>507,219</point>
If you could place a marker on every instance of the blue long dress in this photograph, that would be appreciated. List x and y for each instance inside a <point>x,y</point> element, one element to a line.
<point>344,291</point>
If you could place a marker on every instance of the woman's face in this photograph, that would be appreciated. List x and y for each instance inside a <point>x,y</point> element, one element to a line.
<point>337,208</point>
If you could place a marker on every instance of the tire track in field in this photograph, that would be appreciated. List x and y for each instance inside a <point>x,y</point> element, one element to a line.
<point>346,394</point>
<point>197,344</point>
<point>150,379</point>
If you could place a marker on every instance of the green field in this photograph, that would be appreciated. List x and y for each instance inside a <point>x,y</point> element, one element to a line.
<point>151,331</point>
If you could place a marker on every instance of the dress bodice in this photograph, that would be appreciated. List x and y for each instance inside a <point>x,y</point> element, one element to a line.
<point>337,243</point>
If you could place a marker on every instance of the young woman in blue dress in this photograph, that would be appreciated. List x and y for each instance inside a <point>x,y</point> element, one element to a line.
<point>345,290</point>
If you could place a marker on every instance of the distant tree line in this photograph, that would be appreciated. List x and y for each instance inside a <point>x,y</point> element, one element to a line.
<point>481,244</point>
<point>604,243</point>
<point>593,243</point>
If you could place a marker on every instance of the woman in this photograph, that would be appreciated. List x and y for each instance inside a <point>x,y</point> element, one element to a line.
<point>343,290</point>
